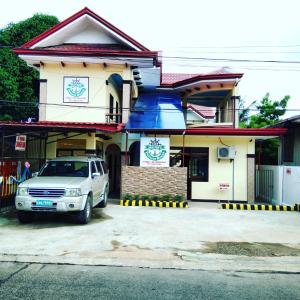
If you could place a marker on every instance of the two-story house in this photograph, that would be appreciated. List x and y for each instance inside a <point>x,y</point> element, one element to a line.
<point>108,91</point>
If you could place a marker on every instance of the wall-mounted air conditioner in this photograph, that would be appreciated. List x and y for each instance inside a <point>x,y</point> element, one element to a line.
<point>226,152</point>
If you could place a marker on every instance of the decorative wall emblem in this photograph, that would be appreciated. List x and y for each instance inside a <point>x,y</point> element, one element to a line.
<point>76,89</point>
<point>155,152</point>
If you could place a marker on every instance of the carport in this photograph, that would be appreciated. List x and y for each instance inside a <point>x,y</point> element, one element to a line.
<point>38,135</point>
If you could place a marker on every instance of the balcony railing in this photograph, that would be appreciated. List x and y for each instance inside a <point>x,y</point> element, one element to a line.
<point>113,118</point>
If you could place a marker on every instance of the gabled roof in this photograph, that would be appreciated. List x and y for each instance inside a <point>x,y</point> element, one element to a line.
<point>86,11</point>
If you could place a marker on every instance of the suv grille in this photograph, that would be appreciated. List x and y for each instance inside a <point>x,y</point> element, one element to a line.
<point>49,193</point>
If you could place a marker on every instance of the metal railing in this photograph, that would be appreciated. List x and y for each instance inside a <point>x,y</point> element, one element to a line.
<point>113,118</point>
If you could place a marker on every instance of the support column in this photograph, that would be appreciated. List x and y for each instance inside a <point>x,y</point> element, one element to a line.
<point>126,105</point>
<point>43,99</point>
<point>250,178</point>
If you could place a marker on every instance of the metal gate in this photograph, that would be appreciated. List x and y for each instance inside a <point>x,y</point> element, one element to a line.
<point>264,186</point>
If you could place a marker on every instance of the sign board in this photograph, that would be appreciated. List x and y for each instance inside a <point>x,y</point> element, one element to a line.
<point>76,89</point>
<point>224,186</point>
<point>20,143</point>
<point>155,152</point>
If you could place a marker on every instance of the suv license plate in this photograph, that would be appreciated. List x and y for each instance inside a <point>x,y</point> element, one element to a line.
<point>43,203</point>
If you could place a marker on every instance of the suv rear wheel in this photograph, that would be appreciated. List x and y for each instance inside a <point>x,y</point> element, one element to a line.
<point>103,203</point>
<point>84,216</point>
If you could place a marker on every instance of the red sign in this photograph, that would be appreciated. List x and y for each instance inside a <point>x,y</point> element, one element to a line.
<point>20,143</point>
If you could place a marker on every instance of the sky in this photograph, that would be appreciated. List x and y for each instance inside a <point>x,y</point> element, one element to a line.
<point>191,33</point>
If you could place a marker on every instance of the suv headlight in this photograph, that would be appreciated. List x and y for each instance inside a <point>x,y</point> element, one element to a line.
<point>72,192</point>
<point>21,191</point>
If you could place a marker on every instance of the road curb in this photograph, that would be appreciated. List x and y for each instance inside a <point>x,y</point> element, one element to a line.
<point>258,207</point>
<point>154,203</point>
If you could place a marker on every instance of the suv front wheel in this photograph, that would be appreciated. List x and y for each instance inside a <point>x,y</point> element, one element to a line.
<point>84,216</point>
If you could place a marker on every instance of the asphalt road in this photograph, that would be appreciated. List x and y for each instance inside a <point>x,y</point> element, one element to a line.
<point>39,281</point>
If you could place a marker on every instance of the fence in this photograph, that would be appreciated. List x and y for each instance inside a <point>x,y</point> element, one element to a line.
<point>7,191</point>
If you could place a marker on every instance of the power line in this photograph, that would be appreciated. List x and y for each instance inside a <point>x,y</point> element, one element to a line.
<point>150,109</point>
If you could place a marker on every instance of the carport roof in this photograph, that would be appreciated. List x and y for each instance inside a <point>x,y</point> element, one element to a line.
<point>65,126</point>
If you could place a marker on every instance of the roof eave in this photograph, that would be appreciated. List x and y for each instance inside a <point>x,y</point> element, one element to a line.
<point>82,12</point>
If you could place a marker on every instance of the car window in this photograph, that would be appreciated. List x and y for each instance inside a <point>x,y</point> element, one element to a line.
<point>104,166</point>
<point>66,169</point>
<point>98,164</point>
<point>94,170</point>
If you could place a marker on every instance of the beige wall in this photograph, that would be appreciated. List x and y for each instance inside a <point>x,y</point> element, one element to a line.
<point>98,91</point>
<point>221,171</point>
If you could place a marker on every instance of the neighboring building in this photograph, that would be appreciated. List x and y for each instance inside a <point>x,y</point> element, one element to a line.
<point>289,154</point>
<point>280,184</point>
<point>101,91</point>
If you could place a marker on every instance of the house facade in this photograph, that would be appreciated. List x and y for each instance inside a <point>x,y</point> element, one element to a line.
<point>102,92</point>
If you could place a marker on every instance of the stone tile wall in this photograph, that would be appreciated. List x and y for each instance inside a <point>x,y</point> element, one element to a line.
<point>154,181</point>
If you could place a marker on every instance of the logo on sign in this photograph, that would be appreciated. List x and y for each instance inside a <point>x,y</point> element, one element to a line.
<point>155,150</point>
<point>76,88</point>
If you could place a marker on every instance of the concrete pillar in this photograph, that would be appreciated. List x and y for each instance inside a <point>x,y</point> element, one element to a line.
<point>250,178</point>
<point>126,100</point>
<point>43,99</point>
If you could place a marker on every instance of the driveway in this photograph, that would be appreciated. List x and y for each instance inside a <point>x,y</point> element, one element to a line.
<point>199,237</point>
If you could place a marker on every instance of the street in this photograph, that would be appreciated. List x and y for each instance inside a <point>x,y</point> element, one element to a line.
<point>41,281</point>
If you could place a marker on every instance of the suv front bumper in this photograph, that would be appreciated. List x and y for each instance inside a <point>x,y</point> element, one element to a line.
<point>62,204</point>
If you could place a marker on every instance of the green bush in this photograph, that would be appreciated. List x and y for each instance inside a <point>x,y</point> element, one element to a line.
<point>178,198</point>
<point>136,197</point>
<point>127,196</point>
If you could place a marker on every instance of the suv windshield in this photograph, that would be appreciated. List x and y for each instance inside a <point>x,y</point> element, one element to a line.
<point>66,168</point>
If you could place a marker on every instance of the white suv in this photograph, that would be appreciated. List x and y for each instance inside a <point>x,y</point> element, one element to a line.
<point>65,184</point>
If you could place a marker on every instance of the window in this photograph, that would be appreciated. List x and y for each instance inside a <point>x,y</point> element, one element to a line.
<point>104,166</point>
<point>65,169</point>
<point>288,147</point>
<point>111,106</point>
<point>117,107</point>
<point>197,160</point>
<point>98,164</point>
<point>93,167</point>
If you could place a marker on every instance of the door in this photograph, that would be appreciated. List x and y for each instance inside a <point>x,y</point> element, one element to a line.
<point>113,159</point>
<point>196,161</point>
<point>101,172</point>
<point>96,184</point>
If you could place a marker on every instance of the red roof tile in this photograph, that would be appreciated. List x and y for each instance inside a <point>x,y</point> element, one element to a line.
<point>169,78</point>
<point>204,111</point>
<point>53,125</point>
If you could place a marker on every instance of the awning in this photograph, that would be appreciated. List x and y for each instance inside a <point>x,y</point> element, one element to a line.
<point>157,111</point>
<point>48,126</point>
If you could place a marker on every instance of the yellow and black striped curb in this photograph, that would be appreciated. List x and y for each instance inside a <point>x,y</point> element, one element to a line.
<point>154,203</point>
<point>259,207</point>
<point>297,207</point>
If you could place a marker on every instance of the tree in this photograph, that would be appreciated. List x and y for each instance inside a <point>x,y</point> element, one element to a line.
<point>18,92</point>
<point>268,113</point>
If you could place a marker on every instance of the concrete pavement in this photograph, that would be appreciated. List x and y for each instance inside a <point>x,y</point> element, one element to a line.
<point>159,238</point>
